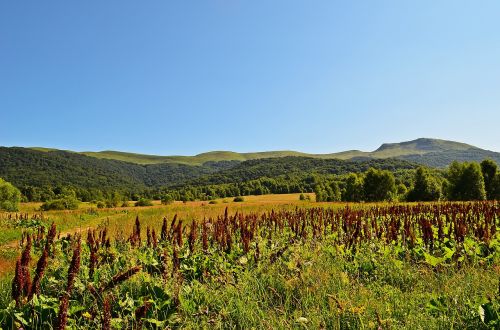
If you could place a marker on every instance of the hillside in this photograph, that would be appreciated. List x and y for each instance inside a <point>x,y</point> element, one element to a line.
<point>32,168</point>
<point>431,152</point>
<point>200,159</point>
<point>26,167</point>
<point>296,166</point>
<point>127,172</point>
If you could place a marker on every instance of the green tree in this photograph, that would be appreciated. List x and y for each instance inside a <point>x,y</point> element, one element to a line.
<point>353,190</point>
<point>402,191</point>
<point>379,185</point>
<point>320,193</point>
<point>425,188</point>
<point>465,182</point>
<point>167,199</point>
<point>327,191</point>
<point>489,169</point>
<point>333,192</point>
<point>10,196</point>
<point>495,188</point>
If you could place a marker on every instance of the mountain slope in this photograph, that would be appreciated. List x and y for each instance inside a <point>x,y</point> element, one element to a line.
<point>431,152</point>
<point>200,159</point>
<point>91,173</point>
<point>300,166</point>
<point>26,167</point>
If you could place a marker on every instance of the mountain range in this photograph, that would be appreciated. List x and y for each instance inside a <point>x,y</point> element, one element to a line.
<point>111,170</point>
<point>426,151</point>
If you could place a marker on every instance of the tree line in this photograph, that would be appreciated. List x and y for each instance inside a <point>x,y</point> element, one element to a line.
<point>465,181</point>
<point>459,182</point>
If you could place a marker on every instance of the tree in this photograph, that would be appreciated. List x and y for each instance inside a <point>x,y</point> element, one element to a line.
<point>320,193</point>
<point>353,191</point>
<point>327,191</point>
<point>425,188</point>
<point>379,185</point>
<point>167,199</point>
<point>465,182</point>
<point>333,192</point>
<point>489,169</point>
<point>401,190</point>
<point>10,196</point>
<point>495,188</point>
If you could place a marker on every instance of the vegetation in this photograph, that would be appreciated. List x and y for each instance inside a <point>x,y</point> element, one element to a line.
<point>42,175</point>
<point>425,188</point>
<point>167,199</point>
<point>491,179</point>
<point>445,158</point>
<point>429,152</point>
<point>144,202</point>
<point>353,188</point>
<point>465,182</point>
<point>327,191</point>
<point>63,203</point>
<point>420,266</point>
<point>37,174</point>
<point>46,174</point>
<point>10,196</point>
<point>379,185</point>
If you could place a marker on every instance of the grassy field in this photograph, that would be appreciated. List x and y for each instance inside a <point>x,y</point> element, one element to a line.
<point>271,262</point>
<point>122,218</point>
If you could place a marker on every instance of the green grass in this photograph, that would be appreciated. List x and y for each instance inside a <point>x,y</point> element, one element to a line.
<point>313,284</point>
<point>329,293</point>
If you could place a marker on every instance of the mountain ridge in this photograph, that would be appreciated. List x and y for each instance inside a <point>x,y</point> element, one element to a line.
<point>413,149</point>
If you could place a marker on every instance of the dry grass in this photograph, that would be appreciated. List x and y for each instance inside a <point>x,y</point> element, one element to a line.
<point>119,220</point>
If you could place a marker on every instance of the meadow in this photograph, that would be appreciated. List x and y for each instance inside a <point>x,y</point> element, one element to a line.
<point>88,216</point>
<point>270,262</point>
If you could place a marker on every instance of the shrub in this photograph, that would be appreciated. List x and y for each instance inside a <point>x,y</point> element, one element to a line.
<point>10,196</point>
<point>101,205</point>
<point>238,199</point>
<point>125,204</point>
<point>167,199</point>
<point>144,202</point>
<point>63,203</point>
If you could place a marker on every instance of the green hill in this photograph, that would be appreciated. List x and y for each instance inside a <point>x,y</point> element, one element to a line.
<point>424,150</point>
<point>212,156</point>
<point>34,170</point>
<point>38,170</point>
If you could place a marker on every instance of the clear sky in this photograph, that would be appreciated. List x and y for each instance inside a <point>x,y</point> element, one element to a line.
<point>184,77</point>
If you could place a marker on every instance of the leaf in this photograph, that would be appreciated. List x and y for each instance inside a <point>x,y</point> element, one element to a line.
<point>448,253</point>
<point>155,322</point>
<point>433,261</point>
<point>20,318</point>
<point>488,314</point>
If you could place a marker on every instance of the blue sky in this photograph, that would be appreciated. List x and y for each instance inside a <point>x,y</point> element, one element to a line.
<point>184,77</point>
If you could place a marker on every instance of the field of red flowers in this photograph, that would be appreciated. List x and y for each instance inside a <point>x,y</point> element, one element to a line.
<point>398,266</point>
